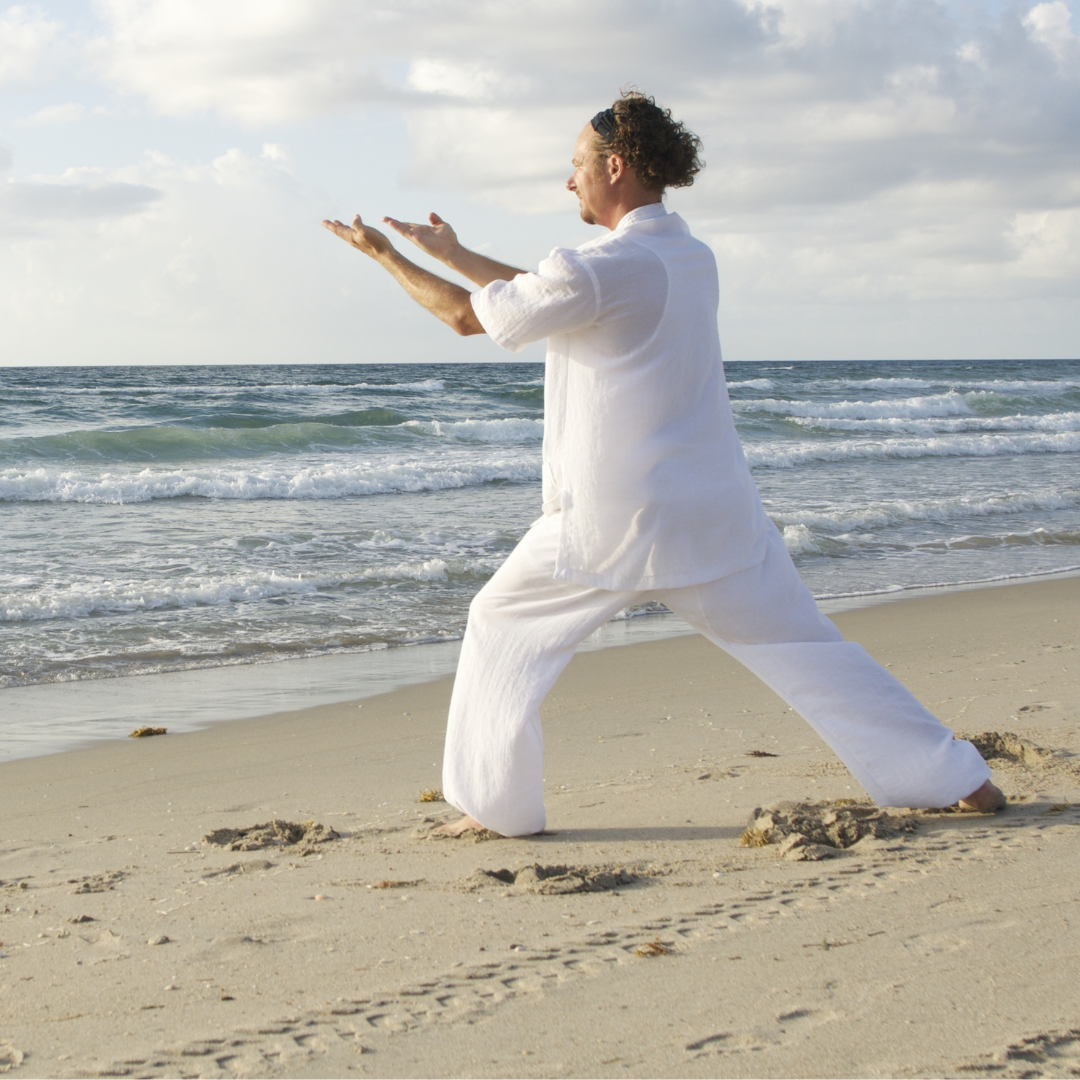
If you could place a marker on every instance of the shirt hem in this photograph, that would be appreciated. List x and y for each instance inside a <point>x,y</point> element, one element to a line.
<point>655,582</point>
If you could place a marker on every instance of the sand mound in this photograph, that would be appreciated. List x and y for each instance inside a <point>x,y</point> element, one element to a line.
<point>1008,746</point>
<point>818,830</point>
<point>10,1058</point>
<point>553,880</point>
<point>275,833</point>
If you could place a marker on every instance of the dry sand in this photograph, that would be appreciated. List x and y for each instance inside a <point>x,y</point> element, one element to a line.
<point>637,937</point>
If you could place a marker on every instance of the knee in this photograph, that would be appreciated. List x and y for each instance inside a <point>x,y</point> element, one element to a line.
<point>487,608</point>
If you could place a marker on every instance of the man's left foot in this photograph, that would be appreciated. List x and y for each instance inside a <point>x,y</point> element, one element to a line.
<point>456,828</point>
<point>989,799</point>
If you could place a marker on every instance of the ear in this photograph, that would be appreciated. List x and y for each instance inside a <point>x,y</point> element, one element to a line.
<point>615,166</point>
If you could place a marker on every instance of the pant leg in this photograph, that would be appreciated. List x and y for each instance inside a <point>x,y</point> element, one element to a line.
<point>522,631</point>
<point>767,619</point>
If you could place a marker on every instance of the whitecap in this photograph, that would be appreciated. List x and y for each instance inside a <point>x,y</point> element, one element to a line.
<point>894,512</point>
<point>799,540</point>
<point>26,601</point>
<point>270,480</point>
<point>754,384</point>
<point>1064,421</point>
<point>82,598</point>
<point>509,430</point>
<point>950,404</point>
<point>775,455</point>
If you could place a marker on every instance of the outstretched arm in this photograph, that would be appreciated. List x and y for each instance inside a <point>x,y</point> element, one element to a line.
<point>442,298</point>
<point>440,241</point>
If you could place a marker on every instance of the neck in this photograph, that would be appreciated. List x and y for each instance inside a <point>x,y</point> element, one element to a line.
<point>632,201</point>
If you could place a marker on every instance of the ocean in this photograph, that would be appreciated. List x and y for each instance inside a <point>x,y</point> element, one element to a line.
<point>162,520</point>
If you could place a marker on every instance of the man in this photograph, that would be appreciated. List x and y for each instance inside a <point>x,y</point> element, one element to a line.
<point>646,494</point>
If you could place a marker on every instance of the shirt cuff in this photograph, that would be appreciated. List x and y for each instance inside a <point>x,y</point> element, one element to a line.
<point>485,305</point>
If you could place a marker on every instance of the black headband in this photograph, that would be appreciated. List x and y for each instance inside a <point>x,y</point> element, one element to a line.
<point>604,122</point>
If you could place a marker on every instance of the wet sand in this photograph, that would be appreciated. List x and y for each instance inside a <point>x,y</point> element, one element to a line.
<point>637,937</point>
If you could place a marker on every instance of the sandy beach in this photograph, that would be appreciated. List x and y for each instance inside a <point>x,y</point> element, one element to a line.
<point>637,937</point>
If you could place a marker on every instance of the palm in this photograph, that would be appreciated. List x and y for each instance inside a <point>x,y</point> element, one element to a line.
<point>362,237</point>
<point>438,239</point>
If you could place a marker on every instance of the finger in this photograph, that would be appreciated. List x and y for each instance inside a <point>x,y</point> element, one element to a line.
<point>338,229</point>
<point>357,223</point>
<point>435,219</point>
<point>398,226</point>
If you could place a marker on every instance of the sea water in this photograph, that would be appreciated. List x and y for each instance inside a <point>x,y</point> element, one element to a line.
<point>179,519</point>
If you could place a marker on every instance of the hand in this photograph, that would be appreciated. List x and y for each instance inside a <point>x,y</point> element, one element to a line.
<point>362,237</point>
<point>438,239</point>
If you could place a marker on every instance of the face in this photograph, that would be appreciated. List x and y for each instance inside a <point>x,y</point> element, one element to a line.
<point>588,181</point>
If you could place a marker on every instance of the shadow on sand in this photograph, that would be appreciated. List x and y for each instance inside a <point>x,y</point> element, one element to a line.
<point>666,833</point>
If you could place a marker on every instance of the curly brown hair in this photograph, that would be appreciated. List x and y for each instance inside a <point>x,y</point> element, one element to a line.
<point>661,151</point>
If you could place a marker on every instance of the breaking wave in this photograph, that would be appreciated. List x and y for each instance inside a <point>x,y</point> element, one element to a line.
<point>245,438</point>
<point>898,511</point>
<point>775,455</point>
<point>323,480</point>
<point>950,404</point>
<point>79,600</point>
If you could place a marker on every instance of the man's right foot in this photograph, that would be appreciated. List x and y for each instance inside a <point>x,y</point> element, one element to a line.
<point>456,828</point>
<point>989,799</point>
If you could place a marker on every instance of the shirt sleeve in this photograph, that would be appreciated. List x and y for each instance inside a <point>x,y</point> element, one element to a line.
<point>561,297</point>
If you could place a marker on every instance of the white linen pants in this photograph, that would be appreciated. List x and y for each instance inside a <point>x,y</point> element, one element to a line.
<point>524,626</point>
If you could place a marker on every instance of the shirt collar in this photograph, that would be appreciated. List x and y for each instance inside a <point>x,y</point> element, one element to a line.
<point>642,213</point>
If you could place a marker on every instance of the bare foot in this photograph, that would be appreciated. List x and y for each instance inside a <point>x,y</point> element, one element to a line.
<point>987,800</point>
<point>456,828</point>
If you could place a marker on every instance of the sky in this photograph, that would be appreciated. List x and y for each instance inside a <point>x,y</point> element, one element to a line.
<point>885,179</point>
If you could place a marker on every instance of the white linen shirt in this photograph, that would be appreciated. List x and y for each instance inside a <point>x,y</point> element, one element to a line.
<point>641,458</point>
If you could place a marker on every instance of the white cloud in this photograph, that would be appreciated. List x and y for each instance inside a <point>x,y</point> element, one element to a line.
<point>25,206</point>
<point>25,35</point>
<point>472,82</point>
<point>1048,24</point>
<point>255,61</point>
<point>875,89</point>
<point>860,152</point>
<point>179,262</point>
<point>70,112</point>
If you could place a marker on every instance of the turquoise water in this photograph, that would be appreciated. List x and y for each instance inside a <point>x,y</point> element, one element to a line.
<point>158,519</point>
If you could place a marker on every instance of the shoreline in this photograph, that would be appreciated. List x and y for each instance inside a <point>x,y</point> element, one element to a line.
<point>659,946</point>
<point>54,717</point>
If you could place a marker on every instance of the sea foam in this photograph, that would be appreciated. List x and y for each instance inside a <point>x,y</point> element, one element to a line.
<point>28,602</point>
<point>269,480</point>
<point>777,455</point>
<point>898,511</point>
<point>950,404</point>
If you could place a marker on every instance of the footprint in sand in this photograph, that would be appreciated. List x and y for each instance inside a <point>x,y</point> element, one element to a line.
<point>1054,1053</point>
<point>553,880</point>
<point>304,838</point>
<point>1008,746</point>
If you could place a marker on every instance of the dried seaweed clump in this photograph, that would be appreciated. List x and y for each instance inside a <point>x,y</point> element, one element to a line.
<point>274,833</point>
<point>1008,746</point>
<point>817,830</point>
<point>653,948</point>
<point>146,732</point>
<point>430,795</point>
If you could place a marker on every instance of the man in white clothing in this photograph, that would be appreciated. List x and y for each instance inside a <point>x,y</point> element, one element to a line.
<point>646,493</point>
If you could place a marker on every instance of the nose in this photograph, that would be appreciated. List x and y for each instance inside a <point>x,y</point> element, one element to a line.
<point>570,185</point>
